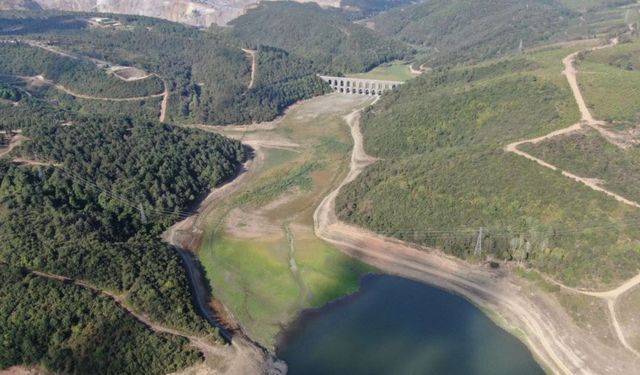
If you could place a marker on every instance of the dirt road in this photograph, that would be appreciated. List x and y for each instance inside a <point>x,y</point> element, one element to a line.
<point>64,89</point>
<point>36,163</point>
<point>239,358</point>
<point>165,100</point>
<point>15,141</point>
<point>586,120</point>
<point>550,333</point>
<point>114,68</point>
<point>254,65</point>
<point>198,342</point>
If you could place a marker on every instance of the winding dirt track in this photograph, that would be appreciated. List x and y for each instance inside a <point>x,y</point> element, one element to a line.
<point>550,332</point>
<point>239,358</point>
<point>16,140</point>
<point>64,89</point>
<point>165,100</point>
<point>587,119</point>
<point>198,342</point>
<point>254,65</point>
<point>103,64</point>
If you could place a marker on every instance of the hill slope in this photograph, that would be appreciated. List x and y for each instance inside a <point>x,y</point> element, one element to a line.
<point>443,174</point>
<point>330,42</point>
<point>461,30</point>
<point>207,73</point>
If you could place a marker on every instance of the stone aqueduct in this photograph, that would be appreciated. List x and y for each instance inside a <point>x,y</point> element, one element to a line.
<point>360,86</point>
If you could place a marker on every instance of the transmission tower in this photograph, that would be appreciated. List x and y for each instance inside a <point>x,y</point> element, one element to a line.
<point>143,217</point>
<point>478,248</point>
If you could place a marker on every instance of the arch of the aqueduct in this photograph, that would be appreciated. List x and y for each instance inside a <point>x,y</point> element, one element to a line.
<point>360,86</point>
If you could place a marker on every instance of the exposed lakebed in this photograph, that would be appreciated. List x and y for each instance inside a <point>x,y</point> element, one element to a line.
<point>398,326</point>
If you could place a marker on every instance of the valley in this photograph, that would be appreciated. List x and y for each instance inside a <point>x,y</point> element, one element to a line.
<point>198,194</point>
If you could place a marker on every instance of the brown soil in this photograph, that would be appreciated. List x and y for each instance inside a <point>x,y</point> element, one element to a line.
<point>251,225</point>
<point>165,101</point>
<point>36,163</point>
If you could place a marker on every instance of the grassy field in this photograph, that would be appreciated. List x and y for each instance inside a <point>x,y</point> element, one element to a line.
<point>255,280</point>
<point>260,253</point>
<point>396,71</point>
<point>611,85</point>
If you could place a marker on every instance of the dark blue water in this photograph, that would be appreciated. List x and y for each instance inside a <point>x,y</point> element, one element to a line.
<point>397,326</point>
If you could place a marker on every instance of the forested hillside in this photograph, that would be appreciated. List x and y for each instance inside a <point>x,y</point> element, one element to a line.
<point>68,329</point>
<point>359,9</point>
<point>89,201</point>
<point>325,38</point>
<point>463,30</point>
<point>207,72</point>
<point>83,77</point>
<point>444,174</point>
<point>587,5</point>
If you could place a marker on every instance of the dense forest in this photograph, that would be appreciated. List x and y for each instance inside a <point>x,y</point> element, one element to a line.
<point>96,216</point>
<point>331,43</point>
<point>443,175</point>
<point>373,6</point>
<point>80,76</point>
<point>68,329</point>
<point>462,30</point>
<point>207,71</point>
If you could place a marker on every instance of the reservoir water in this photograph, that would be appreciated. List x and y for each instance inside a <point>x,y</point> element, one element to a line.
<point>398,326</point>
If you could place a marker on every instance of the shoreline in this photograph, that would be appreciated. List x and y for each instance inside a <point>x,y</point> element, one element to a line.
<point>367,287</point>
<point>557,343</point>
<point>516,305</point>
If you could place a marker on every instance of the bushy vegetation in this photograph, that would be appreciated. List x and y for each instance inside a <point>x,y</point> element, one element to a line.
<point>327,40</point>
<point>281,80</point>
<point>610,82</point>
<point>9,93</point>
<point>80,76</point>
<point>590,5</point>
<point>462,30</point>
<point>444,174</point>
<point>98,217</point>
<point>207,71</point>
<point>160,167</point>
<point>590,155</point>
<point>68,329</point>
<point>23,23</point>
<point>365,8</point>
